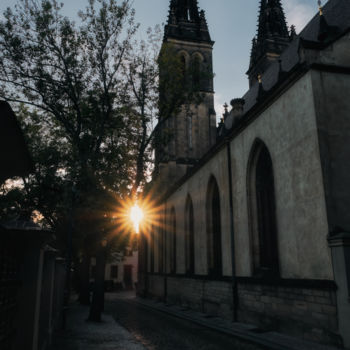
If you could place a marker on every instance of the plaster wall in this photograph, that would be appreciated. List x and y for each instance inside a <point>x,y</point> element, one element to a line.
<point>289,130</point>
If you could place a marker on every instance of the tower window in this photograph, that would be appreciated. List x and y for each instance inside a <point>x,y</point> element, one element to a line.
<point>196,72</point>
<point>189,131</point>
<point>183,66</point>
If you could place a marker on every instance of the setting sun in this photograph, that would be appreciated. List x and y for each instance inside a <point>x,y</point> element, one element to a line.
<point>136,215</point>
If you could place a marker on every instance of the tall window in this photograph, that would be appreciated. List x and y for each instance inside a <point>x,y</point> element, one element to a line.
<point>213,212</point>
<point>172,241</point>
<point>114,272</point>
<point>183,66</point>
<point>263,211</point>
<point>196,72</point>
<point>189,236</point>
<point>189,131</point>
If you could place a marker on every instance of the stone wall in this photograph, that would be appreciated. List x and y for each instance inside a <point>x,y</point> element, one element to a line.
<point>307,312</point>
<point>156,287</point>
<point>211,297</point>
<point>306,309</point>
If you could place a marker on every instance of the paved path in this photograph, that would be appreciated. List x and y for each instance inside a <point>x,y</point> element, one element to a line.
<point>160,331</point>
<point>82,335</point>
<point>132,323</point>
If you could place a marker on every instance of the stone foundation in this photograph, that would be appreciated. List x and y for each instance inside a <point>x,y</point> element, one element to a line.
<point>305,309</point>
<point>307,312</point>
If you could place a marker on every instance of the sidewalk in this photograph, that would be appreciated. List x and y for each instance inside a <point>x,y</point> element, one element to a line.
<point>82,335</point>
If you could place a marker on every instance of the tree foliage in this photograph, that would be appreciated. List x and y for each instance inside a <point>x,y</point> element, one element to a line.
<point>71,77</point>
<point>88,97</point>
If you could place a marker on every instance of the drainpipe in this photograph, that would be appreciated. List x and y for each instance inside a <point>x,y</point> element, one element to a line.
<point>233,258</point>
<point>235,115</point>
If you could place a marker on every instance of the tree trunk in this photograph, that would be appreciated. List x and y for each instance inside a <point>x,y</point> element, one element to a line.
<point>97,305</point>
<point>84,280</point>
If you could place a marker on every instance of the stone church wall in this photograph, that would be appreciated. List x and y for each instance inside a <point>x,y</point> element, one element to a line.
<point>305,310</point>
<point>289,130</point>
<point>333,110</point>
<point>196,187</point>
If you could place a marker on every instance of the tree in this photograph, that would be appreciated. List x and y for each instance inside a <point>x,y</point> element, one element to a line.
<point>70,77</point>
<point>92,100</point>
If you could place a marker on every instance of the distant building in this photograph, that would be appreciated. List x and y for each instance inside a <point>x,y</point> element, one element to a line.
<point>121,270</point>
<point>255,222</point>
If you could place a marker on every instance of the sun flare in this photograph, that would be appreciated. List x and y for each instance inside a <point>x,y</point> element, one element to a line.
<point>136,216</point>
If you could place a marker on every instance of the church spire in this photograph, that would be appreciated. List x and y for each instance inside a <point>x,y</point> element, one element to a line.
<point>271,39</point>
<point>185,10</point>
<point>272,21</point>
<point>186,22</point>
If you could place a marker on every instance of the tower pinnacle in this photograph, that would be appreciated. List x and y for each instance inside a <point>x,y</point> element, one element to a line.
<point>186,22</point>
<point>272,37</point>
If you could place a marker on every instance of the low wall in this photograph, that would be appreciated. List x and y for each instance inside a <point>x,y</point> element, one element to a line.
<point>307,311</point>
<point>302,308</point>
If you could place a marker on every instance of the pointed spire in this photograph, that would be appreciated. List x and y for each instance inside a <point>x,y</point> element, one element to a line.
<point>186,21</point>
<point>271,39</point>
<point>272,21</point>
<point>203,21</point>
<point>185,10</point>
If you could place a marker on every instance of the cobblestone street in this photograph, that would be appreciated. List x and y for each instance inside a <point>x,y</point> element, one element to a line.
<point>158,331</point>
<point>131,323</point>
<point>128,325</point>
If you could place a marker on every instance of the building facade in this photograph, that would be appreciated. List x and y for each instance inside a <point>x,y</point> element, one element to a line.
<point>257,229</point>
<point>120,270</point>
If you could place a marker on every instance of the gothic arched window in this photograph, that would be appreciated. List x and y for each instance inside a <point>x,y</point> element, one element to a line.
<point>190,131</point>
<point>261,193</point>
<point>189,236</point>
<point>213,228</point>
<point>172,242</point>
<point>183,66</point>
<point>196,72</point>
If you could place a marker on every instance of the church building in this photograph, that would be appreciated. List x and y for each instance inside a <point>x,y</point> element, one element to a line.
<point>254,222</point>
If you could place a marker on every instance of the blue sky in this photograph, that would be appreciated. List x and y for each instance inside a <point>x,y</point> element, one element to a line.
<point>232,24</point>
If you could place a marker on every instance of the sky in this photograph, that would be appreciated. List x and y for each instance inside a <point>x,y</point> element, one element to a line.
<point>232,25</point>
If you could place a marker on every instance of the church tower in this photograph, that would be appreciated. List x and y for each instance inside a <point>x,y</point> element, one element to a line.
<point>272,38</point>
<point>191,130</point>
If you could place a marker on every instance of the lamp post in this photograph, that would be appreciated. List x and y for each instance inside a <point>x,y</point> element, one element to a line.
<point>69,258</point>
<point>97,304</point>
